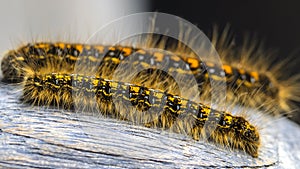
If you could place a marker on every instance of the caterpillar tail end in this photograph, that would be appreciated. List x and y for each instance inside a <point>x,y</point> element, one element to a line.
<point>289,94</point>
<point>11,74</point>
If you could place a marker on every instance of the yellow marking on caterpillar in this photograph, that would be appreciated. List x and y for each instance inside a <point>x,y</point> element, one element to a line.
<point>95,82</point>
<point>61,45</point>
<point>194,63</point>
<point>112,48</point>
<point>93,59</point>
<point>159,95</point>
<point>99,48</point>
<point>158,56</point>
<point>127,51</point>
<point>20,58</point>
<point>242,71</point>
<point>41,45</point>
<point>140,51</point>
<point>227,69</point>
<point>79,48</point>
<point>135,88</point>
<point>147,92</point>
<point>175,58</point>
<point>210,64</point>
<point>74,58</point>
<point>255,75</point>
<point>205,110</point>
<point>114,85</point>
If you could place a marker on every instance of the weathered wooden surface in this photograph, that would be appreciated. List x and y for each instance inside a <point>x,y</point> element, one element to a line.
<point>49,138</point>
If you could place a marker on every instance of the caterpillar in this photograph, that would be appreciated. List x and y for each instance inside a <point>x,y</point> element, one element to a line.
<point>238,80</point>
<point>46,71</point>
<point>111,96</point>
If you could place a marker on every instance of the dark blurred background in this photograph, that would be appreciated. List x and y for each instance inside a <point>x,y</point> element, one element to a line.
<point>276,22</point>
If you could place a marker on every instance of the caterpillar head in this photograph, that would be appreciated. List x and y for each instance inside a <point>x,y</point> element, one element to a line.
<point>250,136</point>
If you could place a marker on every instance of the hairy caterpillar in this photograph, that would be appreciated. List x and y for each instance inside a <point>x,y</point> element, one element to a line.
<point>238,80</point>
<point>186,115</point>
<point>48,80</point>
